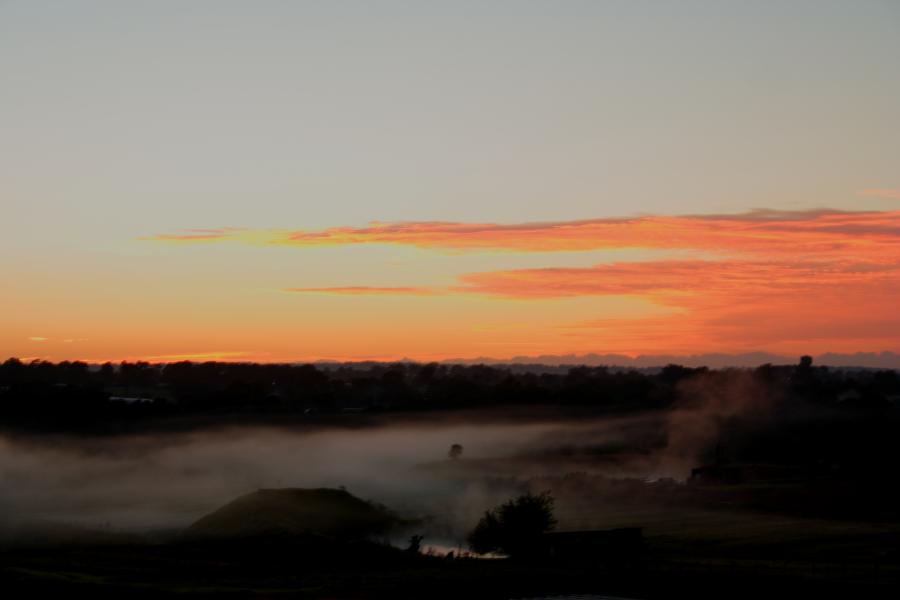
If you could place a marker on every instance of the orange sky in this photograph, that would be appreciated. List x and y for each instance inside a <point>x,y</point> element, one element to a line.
<point>293,181</point>
<point>789,282</point>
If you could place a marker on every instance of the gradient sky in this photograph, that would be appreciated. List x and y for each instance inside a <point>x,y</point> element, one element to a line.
<point>289,180</point>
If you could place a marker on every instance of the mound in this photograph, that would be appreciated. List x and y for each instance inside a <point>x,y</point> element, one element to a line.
<point>294,511</point>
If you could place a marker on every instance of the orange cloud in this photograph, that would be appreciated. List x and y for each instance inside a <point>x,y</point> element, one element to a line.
<point>664,279</point>
<point>557,236</point>
<point>762,232</point>
<point>777,305</point>
<point>778,280</point>
<point>757,231</point>
<point>790,323</point>
<point>223,356</point>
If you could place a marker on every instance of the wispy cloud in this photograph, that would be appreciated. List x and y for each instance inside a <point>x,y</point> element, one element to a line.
<point>223,356</point>
<point>199,235</point>
<point>773,279</point>
<point>725,303</point>
<point>663,279</point>
<point>763,231</point>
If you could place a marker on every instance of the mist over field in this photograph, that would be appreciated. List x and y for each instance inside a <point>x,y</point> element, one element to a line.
<point>245,471</point>
<point>165,481</point>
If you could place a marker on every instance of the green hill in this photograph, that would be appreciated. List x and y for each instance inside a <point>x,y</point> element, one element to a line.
<point>294,511</point>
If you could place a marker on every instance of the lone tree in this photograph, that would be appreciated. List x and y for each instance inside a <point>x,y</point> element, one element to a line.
<point>415,544</point>
<point>515,527</point>
<point>455,451</point>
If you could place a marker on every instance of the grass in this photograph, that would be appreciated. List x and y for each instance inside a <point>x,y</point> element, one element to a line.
<point>305,544</point>
<point>319,511</point>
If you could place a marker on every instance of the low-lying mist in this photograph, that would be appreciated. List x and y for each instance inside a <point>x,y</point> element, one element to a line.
<point>166,481</point>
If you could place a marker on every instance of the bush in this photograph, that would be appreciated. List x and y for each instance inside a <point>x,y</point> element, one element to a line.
<point>516,527</point>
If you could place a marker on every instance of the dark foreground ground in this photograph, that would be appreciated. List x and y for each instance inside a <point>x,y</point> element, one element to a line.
<point>315,568</point>
<point>777,482</point>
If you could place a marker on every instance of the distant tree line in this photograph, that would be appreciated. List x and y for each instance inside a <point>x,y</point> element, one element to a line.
<point>75,396</point>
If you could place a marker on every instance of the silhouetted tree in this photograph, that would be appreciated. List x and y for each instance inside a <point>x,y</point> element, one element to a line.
<point>415,544</point>
<point>515,527</point>
<point>455,451</point>
<point>806,362</point>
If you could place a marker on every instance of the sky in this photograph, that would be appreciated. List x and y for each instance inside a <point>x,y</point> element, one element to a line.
<point>282,181</point>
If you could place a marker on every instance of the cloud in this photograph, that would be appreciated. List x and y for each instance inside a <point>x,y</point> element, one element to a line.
<point>218,356</point>
<point>758,231</point>
<point>761,232</point>
<point>775,304</point>
<point>37,338</point>
<point>778,280</point>
<point>365,290</point>
<point>889,193</point>
<point>199,235</point>
<point>664,279</point>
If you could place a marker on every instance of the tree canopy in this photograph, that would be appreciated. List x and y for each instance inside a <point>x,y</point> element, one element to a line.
<point>516,527</point>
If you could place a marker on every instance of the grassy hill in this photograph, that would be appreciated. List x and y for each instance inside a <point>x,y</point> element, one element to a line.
<point>294,511</point>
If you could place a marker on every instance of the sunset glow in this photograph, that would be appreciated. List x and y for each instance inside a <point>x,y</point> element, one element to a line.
<point>784,281</point>
<point>451,182</point>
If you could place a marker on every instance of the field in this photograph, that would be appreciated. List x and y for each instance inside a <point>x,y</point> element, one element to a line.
<point>707,540</point>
